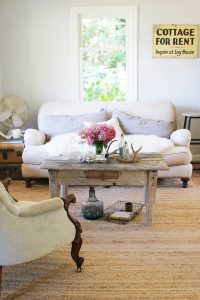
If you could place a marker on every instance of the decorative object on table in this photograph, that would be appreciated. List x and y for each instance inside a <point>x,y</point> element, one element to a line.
<point>127,158</point>
<point>13,114</point>
<point>87,157</point>
<point>90,157</point>
<point>92,208</point>
<point>129,206</point>
<point>121,146</point>
<point>117,212</point>
<point>98,135</point>
<point>123,151</point>
<point>126,151</point>
<point>130,158</point>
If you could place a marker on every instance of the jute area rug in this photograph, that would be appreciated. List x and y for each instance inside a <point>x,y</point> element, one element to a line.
<point>129,261</point>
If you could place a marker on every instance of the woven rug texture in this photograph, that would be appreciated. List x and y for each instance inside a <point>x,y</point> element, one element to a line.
<point>122,261</point>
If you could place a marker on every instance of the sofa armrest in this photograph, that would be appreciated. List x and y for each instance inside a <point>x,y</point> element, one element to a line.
<point>34,137</point>
<point>181,137</point>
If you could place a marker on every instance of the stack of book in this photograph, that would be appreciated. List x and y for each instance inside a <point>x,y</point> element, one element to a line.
<point>122,215</point>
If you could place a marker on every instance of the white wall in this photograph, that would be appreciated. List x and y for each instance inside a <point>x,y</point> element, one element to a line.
<point>35,58</point>
<point>0,78</point>
<point>0,65</point>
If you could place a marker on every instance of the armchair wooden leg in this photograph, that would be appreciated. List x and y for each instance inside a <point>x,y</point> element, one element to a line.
<point>77,242</point>
<point>76,246</point>
<point>1,271</point>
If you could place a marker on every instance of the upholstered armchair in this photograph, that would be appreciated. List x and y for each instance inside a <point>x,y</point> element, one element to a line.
<point>30,229</point>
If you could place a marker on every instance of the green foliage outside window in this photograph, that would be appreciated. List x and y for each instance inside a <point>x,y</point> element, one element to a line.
<point>104,59</point>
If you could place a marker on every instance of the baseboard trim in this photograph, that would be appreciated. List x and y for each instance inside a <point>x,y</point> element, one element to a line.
<point>196,158</point>
<point>196,162</point>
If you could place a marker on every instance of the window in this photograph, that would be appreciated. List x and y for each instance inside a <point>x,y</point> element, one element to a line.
<point>104,53</point>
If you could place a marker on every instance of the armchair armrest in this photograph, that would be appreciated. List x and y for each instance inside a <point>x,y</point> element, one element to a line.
<point>181,137</point>
<point>34,137</point>
<point>30,208</point>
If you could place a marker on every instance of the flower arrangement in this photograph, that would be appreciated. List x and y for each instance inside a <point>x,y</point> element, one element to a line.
<point>98,135</point>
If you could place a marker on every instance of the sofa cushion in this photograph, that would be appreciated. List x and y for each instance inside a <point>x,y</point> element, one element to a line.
<point>138,125</point>
<point>182,171</point>
<point>113,121</point>
<point>72,145</point>
<point>35,155</point>
<point>60,124</point>
<point>177,156</point>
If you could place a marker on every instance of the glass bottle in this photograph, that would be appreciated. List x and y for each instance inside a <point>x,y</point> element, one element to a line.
<point>92,208</point>
<point>121,146</point>
<point>126,151</point>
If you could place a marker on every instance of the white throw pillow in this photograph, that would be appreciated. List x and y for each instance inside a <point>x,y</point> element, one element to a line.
<point>114,122</point>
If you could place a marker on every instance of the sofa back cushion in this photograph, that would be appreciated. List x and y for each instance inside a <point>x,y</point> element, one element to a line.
<point>60,124</point>
<point>156,110</point>
<point>139,125</point>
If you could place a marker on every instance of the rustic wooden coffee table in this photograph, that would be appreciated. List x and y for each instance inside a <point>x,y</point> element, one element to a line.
<point>63,173</point>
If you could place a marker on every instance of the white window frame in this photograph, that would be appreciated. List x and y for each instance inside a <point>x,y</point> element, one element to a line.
<point>128,12</point>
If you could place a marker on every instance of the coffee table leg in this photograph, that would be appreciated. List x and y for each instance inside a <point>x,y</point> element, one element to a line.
<point>150,194</point>
<point>63,191</point>
<point>53,184</point>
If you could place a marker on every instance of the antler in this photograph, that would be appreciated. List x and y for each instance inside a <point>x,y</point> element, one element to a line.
<point>111,153</point>
<point>130,159</point>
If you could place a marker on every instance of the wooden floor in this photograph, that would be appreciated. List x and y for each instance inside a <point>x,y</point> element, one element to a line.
<point>196,176</point>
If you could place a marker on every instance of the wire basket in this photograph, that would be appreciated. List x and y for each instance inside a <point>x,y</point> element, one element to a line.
<point>120,206</point>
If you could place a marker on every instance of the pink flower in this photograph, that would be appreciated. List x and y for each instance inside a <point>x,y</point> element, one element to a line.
<point>98,133</point>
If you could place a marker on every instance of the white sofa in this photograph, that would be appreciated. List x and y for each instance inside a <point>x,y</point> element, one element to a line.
<point>154,128</point>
